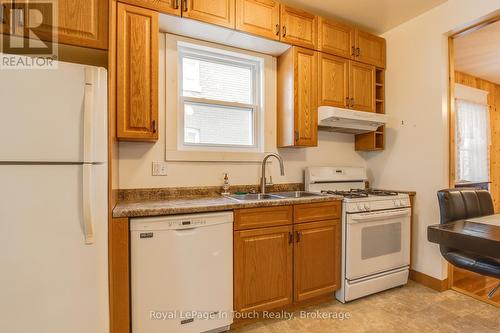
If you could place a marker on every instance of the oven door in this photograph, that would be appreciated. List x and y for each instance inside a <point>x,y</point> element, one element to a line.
<point>377,242</point>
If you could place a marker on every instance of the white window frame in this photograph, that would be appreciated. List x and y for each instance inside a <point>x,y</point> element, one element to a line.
<point>198,52</point>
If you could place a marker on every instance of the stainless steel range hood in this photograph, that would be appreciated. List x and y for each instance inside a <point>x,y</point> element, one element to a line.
<point>349,121</point>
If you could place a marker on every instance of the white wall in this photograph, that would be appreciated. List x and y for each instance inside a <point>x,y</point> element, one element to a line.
<point>416,156</point>
<point>135,162</point>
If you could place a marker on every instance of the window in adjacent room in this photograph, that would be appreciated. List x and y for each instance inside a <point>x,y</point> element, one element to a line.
<point>472,141</point>
<point>220,96</point>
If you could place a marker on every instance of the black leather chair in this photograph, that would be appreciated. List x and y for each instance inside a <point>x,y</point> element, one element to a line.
<point>461,204</point>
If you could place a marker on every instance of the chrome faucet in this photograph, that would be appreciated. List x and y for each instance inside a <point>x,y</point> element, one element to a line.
<point>263,182</point>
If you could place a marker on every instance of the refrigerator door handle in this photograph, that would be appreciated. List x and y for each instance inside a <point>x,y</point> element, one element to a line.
<point>88,121</point>
<point>88,223</point>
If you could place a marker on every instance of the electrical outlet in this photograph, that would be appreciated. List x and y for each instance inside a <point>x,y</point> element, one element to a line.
<point>159,168</point>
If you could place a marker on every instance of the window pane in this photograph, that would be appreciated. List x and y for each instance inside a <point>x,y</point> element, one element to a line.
<point>217,125</point>
<point>216,81</point>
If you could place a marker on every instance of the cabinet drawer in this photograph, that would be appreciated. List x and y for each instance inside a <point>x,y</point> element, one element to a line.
<point>320,211</point>
<point>250,218</point>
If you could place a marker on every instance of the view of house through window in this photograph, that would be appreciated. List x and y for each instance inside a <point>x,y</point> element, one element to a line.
<point>220,97</point>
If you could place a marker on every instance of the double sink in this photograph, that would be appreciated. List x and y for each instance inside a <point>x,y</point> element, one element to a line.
<point>271,196</point>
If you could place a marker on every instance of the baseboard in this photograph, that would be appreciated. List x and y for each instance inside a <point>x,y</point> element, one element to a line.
<point>429,281</point>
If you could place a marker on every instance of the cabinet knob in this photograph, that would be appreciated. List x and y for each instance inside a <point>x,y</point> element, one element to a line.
<point>353,51</point>
<point>352,102</point>
<point>296,135</point>
<point>347,102</point>
<point>290,237</point>
<point>358,52</point>
<point>185,5</point>
<point>284,31</point>
<point>277,29</point>
<point>176,4</point>
<point>297,236</point>
<point>154,126</point>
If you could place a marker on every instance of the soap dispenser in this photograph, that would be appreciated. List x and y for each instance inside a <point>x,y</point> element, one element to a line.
<point>225,185</point>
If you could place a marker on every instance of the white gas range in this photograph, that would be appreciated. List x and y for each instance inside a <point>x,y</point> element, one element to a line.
<point>375,231</point>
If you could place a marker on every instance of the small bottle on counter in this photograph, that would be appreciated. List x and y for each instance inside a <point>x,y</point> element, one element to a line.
<point>226,185</point>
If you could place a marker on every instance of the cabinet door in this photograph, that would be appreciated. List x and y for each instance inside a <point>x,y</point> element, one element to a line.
<point>259,17</point>
<point>220,12</point>
<point>362,86</point>
<point>370,49</point>
<point>262,268</point>
<point>137,70</point>
<point>80,22</point>
<point>333,81</point>
<point>316,259</point>
<point>335,38</point>
<point>306,92</point>
<point>172,7</point>
<point>299,27</point>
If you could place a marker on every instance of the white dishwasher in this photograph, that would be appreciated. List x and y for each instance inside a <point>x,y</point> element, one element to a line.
<point>182,273</point>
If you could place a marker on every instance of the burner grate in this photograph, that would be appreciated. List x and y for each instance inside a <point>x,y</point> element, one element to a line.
<point>361,193</point>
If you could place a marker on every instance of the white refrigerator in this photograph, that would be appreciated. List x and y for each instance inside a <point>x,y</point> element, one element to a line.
<point>53,200</point>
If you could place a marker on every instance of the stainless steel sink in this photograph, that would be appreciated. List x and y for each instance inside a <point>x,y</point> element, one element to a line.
<point>296,194</point>
<point>269,196</point>
<point>251,197</point>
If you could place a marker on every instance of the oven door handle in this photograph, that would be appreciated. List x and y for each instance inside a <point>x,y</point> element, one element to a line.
<point>378,216</point>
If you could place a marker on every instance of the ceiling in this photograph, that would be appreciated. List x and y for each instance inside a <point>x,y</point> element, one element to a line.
<point>377,16</point>
<point>478,53</point>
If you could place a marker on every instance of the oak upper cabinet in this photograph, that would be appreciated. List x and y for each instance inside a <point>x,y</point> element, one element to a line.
<point>299,27</point>
<point>370,49</point>
<point>316,259</point>
<point>259,17</point>
<point>297,98</point>
<point>362,86</point>
<point>263,268</point>
<point>333,81</point>
<point>137,73</point>
<point>172,7</point>
<point>219,12</point>
<point>335,38</point>
<point>79,22</point>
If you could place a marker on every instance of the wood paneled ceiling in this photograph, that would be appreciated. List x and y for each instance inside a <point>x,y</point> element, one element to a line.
<point>478,53</point>
<point>377,16</point>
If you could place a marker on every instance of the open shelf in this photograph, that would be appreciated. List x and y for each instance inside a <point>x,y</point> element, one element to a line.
<point>374,141</point>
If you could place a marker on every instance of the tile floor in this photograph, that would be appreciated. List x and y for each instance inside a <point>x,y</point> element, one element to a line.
<point>412,308</point>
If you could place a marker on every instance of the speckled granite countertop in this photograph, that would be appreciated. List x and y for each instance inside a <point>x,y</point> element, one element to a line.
<point>195,204</point>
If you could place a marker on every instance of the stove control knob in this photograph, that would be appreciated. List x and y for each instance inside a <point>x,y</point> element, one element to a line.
<point>396,204</point>
<point>359,208</point>
<point>401,203</point>
<point>367,207</point>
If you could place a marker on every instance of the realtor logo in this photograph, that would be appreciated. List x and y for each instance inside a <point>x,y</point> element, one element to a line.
<point>28,32</point>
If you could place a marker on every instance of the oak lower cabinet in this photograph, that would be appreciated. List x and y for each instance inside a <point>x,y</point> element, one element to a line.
<point>316,259</point>
<point>297,98</point>
<point>137,73</point>
<point>172,7</point>
<point>299,27</point>
<point>263,268</point>
<point>219,12</point>
<point>291,260</point>
<point>259,17</point>
<point>79,22</point>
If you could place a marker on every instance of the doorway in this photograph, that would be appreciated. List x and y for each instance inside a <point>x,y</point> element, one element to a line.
<point>474,105</point>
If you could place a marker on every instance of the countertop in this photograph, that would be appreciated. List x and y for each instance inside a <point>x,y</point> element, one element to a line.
<point>200,204</point>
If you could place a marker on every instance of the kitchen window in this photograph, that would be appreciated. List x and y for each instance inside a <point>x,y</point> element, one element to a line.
<point>220,100</point>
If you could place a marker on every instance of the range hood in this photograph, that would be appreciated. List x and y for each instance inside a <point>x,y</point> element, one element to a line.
<point>349,121</point>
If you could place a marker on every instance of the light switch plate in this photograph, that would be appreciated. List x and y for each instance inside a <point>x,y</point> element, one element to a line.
<point>159,168</point>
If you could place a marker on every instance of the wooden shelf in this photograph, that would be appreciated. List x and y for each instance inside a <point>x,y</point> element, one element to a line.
<point>374,141</point>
